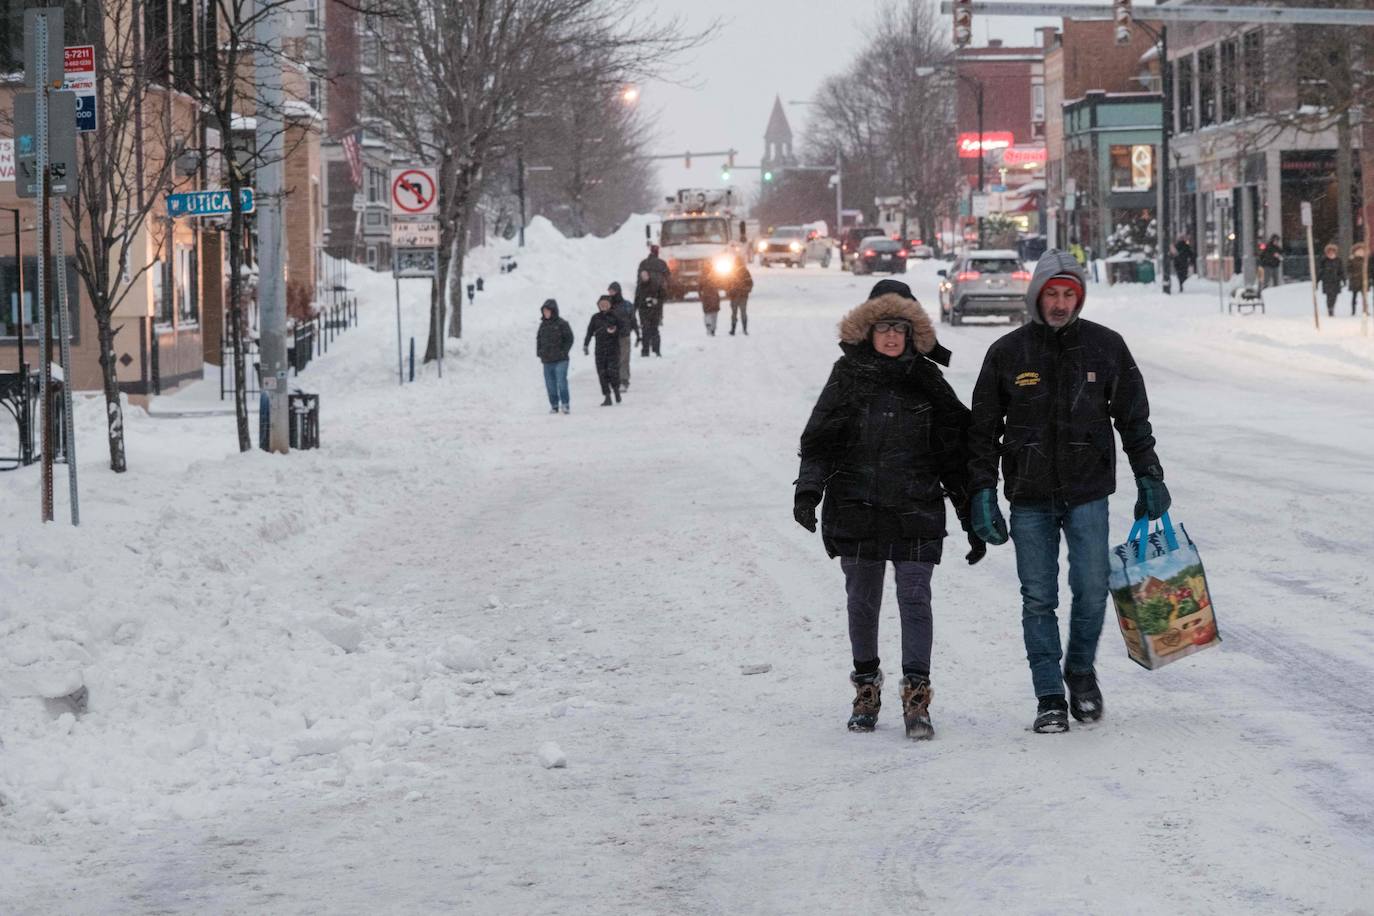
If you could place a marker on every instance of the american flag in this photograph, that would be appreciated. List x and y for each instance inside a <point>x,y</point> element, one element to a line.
<point>353,150</point>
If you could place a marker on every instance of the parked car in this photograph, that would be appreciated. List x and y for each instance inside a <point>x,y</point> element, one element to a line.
<point>789,245</point>
<point>988,283</point>
<point>920,251</point>
<point>879,254</point>
<point>850,240</point>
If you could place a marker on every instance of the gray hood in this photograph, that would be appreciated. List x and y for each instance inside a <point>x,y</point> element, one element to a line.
<point>1051,264</point>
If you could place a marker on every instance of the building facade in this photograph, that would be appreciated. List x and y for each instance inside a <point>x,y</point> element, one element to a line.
<point>1110,166</point>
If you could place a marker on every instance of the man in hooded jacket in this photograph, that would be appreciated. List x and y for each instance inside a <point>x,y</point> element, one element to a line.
<point>1045,403</point>
<point>885,445</point>
<point>552,345</point>
<point>651,291</point>
<point>626,310</point>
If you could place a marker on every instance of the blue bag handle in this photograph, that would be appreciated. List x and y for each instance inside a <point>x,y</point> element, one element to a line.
<point>1140,535</point>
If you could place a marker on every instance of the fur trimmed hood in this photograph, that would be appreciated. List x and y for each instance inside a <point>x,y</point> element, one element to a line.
<point>856,326</point>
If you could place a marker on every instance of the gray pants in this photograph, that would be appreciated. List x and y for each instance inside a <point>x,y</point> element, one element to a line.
<point>625,344</point>
<point>863,581</point>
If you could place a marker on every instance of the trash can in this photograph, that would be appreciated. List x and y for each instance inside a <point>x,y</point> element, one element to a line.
<point>1145,272</point>
<point>305,420</point>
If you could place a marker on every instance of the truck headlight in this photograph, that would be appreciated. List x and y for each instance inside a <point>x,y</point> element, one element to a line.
<point>762,246</point>
<point>723,264</point>
<point>795,246</point>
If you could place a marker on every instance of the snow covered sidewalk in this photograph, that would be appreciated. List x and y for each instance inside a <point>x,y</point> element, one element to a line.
<point>329,682</point>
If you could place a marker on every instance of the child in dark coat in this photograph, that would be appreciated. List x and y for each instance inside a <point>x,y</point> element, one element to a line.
<point>607,327</point>
<point>1331,277</point>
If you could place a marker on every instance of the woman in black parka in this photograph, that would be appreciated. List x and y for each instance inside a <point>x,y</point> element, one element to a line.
<point>886,444</point>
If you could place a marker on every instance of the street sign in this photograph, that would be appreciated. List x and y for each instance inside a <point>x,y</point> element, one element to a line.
<point>1306,208</point>
<point>414,192</point>
<point>981,205</point>
<point>416,262</point>
<point>208,203</point>
<point>79,77</point>
<point>62,162</point>
<point>54,49</point>
<point>6,160</point>
<point>414,234</point>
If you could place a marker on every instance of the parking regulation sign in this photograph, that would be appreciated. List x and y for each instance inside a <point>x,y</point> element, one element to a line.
<point>414,192</point>
<point>78,75</point>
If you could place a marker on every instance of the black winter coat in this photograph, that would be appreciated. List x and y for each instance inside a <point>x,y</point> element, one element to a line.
<point>1331,275</point>
<point>1045,403</point>
<point>886,444</point>
<point>607,327</point>
<point>555,339</point>
<point>626,310</point>
<point>743,284</point>
<point>656,287</point>
<point>1183,258</point>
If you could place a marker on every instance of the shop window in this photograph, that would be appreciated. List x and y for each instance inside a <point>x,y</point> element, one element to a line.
<point>1253,53</point>
<point>9,298</point>
<point>1132,168</point>
<point>1183,85</point>
<point>1230,77</point>
<point>187,287</point>
<point>1207,86</point>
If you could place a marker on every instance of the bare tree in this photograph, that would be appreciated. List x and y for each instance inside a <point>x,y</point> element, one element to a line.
<point>462,73</point>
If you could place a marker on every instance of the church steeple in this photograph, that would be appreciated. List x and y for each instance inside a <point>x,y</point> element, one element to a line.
<point>777,139</point>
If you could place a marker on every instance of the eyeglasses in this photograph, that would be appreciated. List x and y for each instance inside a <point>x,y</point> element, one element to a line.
<point>887,327</point>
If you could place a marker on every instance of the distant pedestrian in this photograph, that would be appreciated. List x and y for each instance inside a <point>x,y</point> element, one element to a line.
<point>1331,276</point>
<point>607,327</point>
<point>1358,275</point>
<point>552,345</point>
<point>710,307</point>
<point>1271,262</point>
<point>741,285</point>
<point>651,289</point>
<point>1184,258</point>
<point>626,310</point>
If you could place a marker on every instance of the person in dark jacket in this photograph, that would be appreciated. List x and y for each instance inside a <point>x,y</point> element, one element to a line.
<point>651,291</point>
<point>710,306</point>
<point>1045,402</point>
<point>1271,262</point>
<point>1184,258</point>
<point>607,327</point>
<point>552,345</point>
<point>626,310</point>
<point>885,445</point>
<point>741,285</point>
<point>1331,276</point>
<point>1358,276</point>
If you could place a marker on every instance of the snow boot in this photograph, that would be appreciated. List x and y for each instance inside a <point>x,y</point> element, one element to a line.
<point>607,402</point>
<point>1085,698</point>
<point>617,395</point>
<point>916,697</point>
<point>1052,716</point>
<point>867,700</point>
<point>553,410</point>
<point>567,409</point>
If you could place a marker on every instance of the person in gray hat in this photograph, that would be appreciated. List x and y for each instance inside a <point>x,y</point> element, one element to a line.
<point>1044,406</point>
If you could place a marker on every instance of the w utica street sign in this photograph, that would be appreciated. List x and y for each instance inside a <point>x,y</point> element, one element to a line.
<point>207,203</point>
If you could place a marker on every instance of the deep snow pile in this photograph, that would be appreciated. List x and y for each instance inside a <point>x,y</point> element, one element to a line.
<point>176,644</point>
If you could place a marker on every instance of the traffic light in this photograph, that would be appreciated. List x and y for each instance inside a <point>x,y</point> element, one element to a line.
<point>725,173</point>
<point>767,175</point>
<point>963,22</point>
<point>1121,13</point>
<point>687,160</point>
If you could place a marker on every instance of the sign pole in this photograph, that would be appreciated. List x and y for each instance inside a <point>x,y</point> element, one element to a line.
<point>62,308</point>
<point>40,61</point>
<point>1311,261</point>
<point>271,268</point>
<point>400,365</point>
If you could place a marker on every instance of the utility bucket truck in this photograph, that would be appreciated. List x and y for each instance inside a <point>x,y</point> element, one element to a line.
<point>701,236</point>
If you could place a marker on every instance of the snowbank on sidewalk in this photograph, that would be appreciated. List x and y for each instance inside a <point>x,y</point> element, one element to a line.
<point>177,645</point>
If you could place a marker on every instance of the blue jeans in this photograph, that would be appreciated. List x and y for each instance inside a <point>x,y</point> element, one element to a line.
<point>556,381</point>
<point>1035,532</point>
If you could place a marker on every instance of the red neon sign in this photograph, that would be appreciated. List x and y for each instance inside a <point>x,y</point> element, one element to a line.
<point>992,139</point>
<point>1025,155</point>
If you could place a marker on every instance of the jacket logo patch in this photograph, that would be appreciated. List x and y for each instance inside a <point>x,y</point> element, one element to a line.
<point>1092,376</point>
<point>1027,378</point>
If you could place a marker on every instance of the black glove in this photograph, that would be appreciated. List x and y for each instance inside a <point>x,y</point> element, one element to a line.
<point>804,510</point>
<point>1153,499</point>
<point>977,550</point>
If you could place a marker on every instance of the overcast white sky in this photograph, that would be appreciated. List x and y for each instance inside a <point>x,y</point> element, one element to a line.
<point>764,48</point>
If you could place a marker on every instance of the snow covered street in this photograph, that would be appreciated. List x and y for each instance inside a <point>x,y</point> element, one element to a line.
<point>322,682</point>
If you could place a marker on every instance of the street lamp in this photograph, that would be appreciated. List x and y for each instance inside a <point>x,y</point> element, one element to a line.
<point>1166,110</point>
<point>977,86</point>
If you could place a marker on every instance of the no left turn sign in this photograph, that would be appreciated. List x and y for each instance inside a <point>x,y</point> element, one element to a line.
<point>414,192</point>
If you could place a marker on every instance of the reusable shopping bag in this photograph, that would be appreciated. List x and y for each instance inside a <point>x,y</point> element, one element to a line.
<point>1160,591</point>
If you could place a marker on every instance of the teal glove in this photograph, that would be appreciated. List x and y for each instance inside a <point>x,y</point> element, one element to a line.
<point>987,519</point>
<point>1154,498</point>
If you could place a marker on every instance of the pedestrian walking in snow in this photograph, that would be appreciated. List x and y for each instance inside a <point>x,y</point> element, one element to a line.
<point>1358,275</point>
<point>1045,402</point>
<point>741,285</point>
<point>607,328</point>
<point>1184,259</point>
<point>552,345</point>
<point>1271,262</point>
<point>626,310</point>
<point>710,307</point>
<point>1331,276</point>
<point>886,443</point>
<point>651,289</point>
